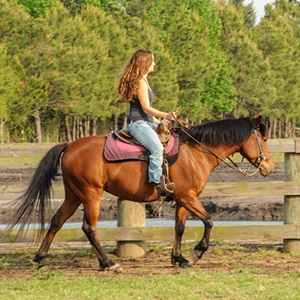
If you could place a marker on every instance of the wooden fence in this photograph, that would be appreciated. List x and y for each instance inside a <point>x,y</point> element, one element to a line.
<point>132,233</point>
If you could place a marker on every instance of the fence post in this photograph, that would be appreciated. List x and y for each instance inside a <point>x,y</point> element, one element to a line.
<point>292,203</point>
<point>130,214</point>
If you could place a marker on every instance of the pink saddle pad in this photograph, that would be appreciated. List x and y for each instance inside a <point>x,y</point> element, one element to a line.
<point>115,149</point>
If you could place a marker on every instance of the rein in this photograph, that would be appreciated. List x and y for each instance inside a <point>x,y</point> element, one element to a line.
<point>233,165</point>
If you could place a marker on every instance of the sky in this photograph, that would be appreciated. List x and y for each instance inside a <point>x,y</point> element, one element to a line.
<point>259,7</point>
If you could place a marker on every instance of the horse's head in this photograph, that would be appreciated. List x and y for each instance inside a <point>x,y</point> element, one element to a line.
<point>255,149</point>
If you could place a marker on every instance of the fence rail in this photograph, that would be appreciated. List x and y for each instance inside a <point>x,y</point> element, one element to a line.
<point>212,189</point>
<point>137,234</point>
<point>232,189</point>
<point>284,145</point>
<point>190,233</point>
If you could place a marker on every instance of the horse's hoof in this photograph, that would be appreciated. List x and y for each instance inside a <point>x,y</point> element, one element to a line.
<point>197,255</point>
<point>182,262</point>
<point>113,268</point>
<point>195,259</point>
<point>40,262</point>
<point>185,264</point>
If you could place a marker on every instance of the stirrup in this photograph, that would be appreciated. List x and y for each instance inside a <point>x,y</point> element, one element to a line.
<point>167,185</point>
<point>165,188</point>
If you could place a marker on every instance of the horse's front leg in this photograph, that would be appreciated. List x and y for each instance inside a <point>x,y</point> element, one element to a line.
<point>192,204</point>
<point>181,216</point>
<point>203,245</point>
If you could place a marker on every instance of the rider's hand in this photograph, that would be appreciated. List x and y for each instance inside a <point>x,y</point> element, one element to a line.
<point>172,115</point>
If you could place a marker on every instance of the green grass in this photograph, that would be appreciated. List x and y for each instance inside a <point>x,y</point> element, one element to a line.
<point>22,154</point>
<point>188,284</point>
<point>231,274</point>
<point>24,161</point>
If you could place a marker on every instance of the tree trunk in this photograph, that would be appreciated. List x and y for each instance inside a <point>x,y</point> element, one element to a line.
<point>293,131</point>
<point>274,128</point>
<point>80,129</point>
<point>38,126</point>
<point>94,127</point>
<point>87,126</point>
<point>115,122</point>
<point>286,128</point>
<point>2,130</point>
<point>271,130</point>
<point>74,128</point>
<point>67,129</point>
<point>279,128</point>
<point>125,121</point>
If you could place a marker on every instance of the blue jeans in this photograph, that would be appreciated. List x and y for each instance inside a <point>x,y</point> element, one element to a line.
<point>144,132</point>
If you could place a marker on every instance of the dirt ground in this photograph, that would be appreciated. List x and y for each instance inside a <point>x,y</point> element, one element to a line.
<point>77,259</point>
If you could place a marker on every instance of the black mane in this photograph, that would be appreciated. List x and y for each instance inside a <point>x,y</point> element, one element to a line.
<point>229,132</point>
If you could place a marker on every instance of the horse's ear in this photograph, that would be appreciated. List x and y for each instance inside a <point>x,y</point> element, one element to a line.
<point>258,121</point>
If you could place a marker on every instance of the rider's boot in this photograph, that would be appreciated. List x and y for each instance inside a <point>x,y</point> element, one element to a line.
<point>165,188</point>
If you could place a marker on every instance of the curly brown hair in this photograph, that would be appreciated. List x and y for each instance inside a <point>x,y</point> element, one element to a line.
<point>138,66</point>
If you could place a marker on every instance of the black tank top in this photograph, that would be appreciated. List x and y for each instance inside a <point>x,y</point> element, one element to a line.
<point>136,112</point>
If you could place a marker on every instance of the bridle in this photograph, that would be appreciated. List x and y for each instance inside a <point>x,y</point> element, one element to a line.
<point>260,159</point>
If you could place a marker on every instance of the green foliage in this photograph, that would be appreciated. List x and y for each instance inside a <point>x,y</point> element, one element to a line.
<point>9,83</point>
<point>76,58</point>
<point>281,46</point>
<point>111,57</point>
<point>37,8</point>
<point>251,69</point>
<point>62,60</point>
<point>250,15</point>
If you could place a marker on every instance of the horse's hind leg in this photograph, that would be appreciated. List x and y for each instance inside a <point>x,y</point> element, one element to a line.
<point>67,209</point>
<point>91,214</point>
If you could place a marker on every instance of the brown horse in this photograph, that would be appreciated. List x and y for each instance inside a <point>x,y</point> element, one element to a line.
<point>86,174</point>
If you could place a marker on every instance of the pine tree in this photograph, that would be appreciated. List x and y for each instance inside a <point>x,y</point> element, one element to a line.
<point>251,70</point>
<point>278,37</point>
<point>37,8</point>
<point>9,88</point>
<point>115,39</point>
<point>23,37</point>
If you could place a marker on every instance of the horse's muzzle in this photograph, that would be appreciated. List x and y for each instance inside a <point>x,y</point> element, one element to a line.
<point>267,167</point>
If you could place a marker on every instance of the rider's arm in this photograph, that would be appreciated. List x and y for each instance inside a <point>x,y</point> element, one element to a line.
<point>145,103</point>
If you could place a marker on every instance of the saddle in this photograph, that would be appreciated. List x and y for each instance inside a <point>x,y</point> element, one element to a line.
<point>121,145</point>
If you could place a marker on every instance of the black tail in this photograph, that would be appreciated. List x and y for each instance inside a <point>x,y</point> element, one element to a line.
<point>38,194</point>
